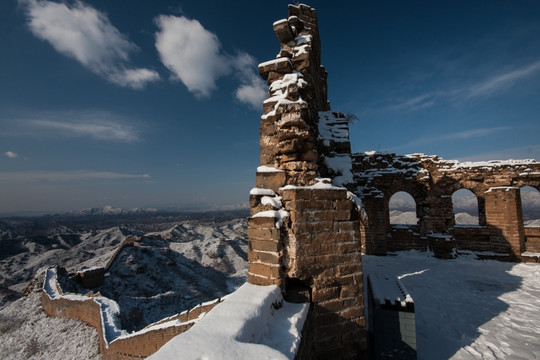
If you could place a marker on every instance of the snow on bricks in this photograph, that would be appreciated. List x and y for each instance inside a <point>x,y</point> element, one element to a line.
<point>431,181</point>
<point>102,313</point>
<point>313,252</point>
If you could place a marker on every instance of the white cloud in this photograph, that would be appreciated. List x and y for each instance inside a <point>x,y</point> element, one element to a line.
<point>473,133</point>
<point>133,78</point>
<point>99,130</point>
<point>96,125</point>
<point>191,53</point>
<point>253,89</point>
<point>252,94</point>
<point>11,154</point>
<point>503,82</point>
<point>496,83</point>
<point>461,135</point>
<point>194,56</point>
<point>524,152</point>
<point>415,103</point>
<point>86,34</point>
<point>60,176</point>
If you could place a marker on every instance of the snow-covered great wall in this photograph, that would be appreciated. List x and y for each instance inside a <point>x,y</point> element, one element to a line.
<point>103,314</point>
<point>314,209</point>
<point>249,316</point>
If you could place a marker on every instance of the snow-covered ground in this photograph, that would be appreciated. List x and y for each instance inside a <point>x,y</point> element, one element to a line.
<point>465,308</point>
<point>468,308</point>
<point>27,333</point>
<point>254,322</point>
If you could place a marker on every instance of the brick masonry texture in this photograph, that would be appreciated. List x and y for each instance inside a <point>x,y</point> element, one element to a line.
<point>315,253</point>
<point>431,181</point>
<point>138,345</point>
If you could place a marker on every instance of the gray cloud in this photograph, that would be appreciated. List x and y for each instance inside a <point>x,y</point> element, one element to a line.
<point>11,154</point>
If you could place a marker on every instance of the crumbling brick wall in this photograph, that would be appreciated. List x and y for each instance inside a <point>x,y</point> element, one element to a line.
<point>304,231</point>
<point>136,346</point>
<point>431,181</point>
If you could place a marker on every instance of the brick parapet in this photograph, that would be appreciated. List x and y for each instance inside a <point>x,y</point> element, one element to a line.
<point>504,216</point>
<point>431,181</point>
<point>324,237</point>
<point>134,346</point>
<point>532,239</point>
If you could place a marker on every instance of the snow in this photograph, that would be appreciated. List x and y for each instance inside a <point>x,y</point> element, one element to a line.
<point>279,215</point>
<point>280,22</point>
<point>249,324</point>
<point>321,184</point>
<point>530,253</point>
<point>268,169</point>
<point>274,62</point>
<point>506,188</point>
<point>303,39</point>
<point>467,308</point>
<point>389,288</point>
<point>341,165</point>
<point>532,223</point>
<point>110,319</point>
<point>110,311</point>
<point>465,219</point>
<point>491,163</point>
<point>262,192</point>
<point>23,323</point>
<point>274,201</point>
<point>403,218</point>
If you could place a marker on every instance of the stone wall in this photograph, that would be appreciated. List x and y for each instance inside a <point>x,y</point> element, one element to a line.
<point>431,181</point>
<point>138,345</point>
<point>304,230</point>
<point>532,239</point>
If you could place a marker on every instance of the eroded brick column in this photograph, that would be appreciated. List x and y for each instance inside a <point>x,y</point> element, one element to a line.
<point>324,252</point>
<point>505,218</point>
<point>304,232</point>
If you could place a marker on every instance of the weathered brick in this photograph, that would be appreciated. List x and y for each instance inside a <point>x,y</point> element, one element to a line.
<point>265,270</point>
<point>264,234</point>
<point>296,194</point>
<point>351,287</point>
<point>269,258</point>
<point>259,280</point>
<point>330,194</point>
<point>271,180</point>
<point>353,312</point>
<point>323,294</point>
<point>263,245</point>
<point>283,31</point>
<point>261,222</point>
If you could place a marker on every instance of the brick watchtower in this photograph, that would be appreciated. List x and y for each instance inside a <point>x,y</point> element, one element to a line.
<point>304,231</point>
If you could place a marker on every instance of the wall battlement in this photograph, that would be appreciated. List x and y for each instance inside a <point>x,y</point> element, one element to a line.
<point>431,181</point>
<point>96,312</point>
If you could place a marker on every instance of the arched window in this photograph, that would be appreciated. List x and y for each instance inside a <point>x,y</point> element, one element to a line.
<point>402,209</point>
<point>530,204</point>
<point>465,206</point>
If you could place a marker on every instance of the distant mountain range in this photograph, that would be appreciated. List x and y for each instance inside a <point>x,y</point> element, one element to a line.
<point>109,210</point>
<point>193,256</point>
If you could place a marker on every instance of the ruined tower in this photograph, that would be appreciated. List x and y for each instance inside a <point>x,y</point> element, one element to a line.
<point>304,229</point>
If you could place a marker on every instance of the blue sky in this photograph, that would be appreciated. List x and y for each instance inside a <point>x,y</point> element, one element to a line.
<point>157,104</point>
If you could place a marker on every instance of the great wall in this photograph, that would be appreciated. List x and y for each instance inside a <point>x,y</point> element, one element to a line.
<point>316,208</point>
